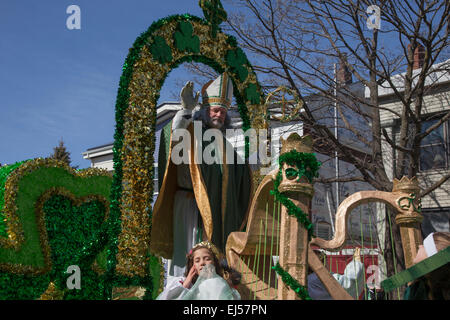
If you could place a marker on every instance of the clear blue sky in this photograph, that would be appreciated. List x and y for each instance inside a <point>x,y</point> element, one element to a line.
<point>59,83</point>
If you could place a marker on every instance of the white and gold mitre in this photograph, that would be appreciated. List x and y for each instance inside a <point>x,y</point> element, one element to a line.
<point>218,93</point>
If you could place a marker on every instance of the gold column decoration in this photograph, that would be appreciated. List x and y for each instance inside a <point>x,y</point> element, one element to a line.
<point>409,216</point>
<point>293,236</point>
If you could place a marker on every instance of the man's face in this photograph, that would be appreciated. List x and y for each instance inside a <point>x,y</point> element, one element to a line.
<point>217,116</point>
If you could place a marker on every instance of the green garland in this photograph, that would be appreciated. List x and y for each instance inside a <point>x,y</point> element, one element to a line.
<point>4,173</point>
<point>301,291</point>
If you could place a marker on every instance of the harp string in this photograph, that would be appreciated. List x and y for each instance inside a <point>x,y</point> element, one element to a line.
<point>371,246</point>
<point>274,208</point>
<point>265,243</point>
<point>393,249</point>
<point>258,251</point>
<point>248,267</point>
<point>278,238</point>
<point>381,229</point>
<point>252,283</point>
<point>362,253</point>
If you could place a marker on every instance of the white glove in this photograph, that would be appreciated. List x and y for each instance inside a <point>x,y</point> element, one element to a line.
<point>188,101</point>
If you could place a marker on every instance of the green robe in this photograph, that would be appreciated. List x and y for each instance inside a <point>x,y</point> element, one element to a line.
<point>228,210</point>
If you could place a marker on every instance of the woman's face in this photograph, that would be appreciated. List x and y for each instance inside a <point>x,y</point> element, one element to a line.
<point>421,255</point>
<point>202,257</point>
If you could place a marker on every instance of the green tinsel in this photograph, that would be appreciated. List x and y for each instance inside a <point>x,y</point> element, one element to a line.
<point>252,95</point>
<point>306,163</point>
<point>4,173</point>
<point>76,235</point>
<point>300,290</point>
<point>73,235</point>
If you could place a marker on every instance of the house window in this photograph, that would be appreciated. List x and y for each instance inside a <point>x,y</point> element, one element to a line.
<point>434,149</point>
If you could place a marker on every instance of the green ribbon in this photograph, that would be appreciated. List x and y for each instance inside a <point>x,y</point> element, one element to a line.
<point>420,269</point>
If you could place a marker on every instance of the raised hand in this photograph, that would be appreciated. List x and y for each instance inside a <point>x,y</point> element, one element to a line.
<point>188,101</point>
<point>187,283</point>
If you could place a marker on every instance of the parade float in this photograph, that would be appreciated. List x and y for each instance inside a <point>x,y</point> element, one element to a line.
<point>54,217</point>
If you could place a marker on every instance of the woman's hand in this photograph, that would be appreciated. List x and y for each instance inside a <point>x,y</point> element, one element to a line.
<point>187,283</point>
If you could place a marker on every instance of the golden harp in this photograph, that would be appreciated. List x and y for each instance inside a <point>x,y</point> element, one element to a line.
<point>271,233</point>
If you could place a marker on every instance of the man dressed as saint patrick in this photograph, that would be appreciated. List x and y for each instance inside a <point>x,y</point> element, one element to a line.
<point>206,195</point>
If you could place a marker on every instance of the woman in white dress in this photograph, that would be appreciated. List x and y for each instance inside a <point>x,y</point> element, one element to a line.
<point>203,279</point>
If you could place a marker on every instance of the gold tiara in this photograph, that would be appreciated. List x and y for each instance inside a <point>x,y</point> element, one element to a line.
<point>208,245</point>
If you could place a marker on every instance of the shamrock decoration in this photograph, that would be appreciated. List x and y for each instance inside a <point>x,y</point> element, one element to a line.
<point>237,60</point>
<point>160,50</point>
<point>63,215</point>
<point>251,94</point>
<point>71,229</point>
<point>214,13</point>
<point>184,38</point>
<point>306,164</point>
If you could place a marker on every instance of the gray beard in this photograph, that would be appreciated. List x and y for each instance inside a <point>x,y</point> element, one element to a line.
<point>203,115</point>
<point>215,123</point>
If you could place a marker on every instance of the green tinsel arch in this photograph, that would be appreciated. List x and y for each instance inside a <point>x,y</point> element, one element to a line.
<point>165,45</point>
